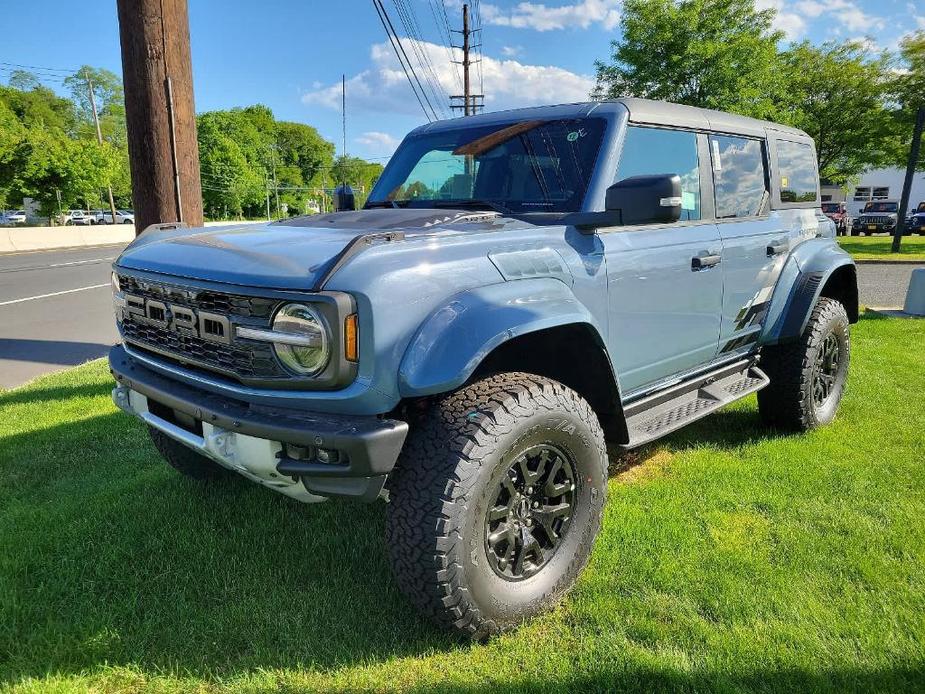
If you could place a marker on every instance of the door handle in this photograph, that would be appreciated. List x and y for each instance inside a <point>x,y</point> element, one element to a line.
<point>704,261</point>
<point>778,248</point>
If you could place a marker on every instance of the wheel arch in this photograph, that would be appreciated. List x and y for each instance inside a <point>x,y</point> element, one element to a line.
<point>534,325</point>
<point>816,268</point>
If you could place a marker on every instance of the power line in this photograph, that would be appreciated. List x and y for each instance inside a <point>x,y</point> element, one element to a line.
<point>408,17</point>
<point>399,52</point>
<point>69,71</point>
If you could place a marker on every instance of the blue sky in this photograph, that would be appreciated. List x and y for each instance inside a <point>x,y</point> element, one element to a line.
<point>289,55</point>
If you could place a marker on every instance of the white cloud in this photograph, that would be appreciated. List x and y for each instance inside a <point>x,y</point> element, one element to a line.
<point>844,12</point>
<point>511,51</point>
<point>378,142</point>
<point>792,24</point>
<point>542,17</point>
<point>383,87</point>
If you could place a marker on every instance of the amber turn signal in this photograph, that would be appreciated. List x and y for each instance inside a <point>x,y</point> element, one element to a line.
<point>351,344</point>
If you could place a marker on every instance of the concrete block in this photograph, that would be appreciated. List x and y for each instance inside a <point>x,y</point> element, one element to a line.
<point>915,295</point>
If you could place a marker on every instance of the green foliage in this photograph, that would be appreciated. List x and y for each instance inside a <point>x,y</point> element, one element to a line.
<point>838,94</point>
<point>710,53</point>
<point>909,90</point>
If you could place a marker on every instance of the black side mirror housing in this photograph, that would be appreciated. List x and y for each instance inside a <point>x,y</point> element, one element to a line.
<point>344,199</point>
<point>648,199</point>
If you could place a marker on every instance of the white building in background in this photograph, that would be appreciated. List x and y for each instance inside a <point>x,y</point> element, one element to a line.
<point>880,184</point>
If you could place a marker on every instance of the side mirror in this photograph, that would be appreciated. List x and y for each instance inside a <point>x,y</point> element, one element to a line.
<point>344,199</point>
<point>636,200</point>
<point>646,199</point>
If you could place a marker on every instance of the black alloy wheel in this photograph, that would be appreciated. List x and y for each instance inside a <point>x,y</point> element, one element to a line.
<point>530,515</point>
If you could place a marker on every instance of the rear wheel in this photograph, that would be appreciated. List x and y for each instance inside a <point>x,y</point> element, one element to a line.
<point>808,376</point>
<point>496,501</point>
<point>185,460</point>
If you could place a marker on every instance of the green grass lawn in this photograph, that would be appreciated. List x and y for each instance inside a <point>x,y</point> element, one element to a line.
<point>731,558</point>
<point>878,247</point>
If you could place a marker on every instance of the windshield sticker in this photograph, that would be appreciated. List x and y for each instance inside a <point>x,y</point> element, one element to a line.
<point>717,163</point>
<point>784,181</point>
<point>688,201</point>
<point>575,134</point>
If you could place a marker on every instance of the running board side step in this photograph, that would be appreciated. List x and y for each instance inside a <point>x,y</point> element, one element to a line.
<point>656,415</point>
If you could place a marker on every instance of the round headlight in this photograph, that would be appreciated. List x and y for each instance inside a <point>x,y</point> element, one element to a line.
<point>309,350</point>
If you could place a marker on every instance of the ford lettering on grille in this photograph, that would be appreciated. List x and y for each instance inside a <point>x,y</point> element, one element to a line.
<point>180,319</point>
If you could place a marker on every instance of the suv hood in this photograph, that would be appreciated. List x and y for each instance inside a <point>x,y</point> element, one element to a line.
<point>293,254</point>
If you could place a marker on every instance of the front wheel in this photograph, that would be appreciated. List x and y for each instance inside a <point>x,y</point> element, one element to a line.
<point>496,501</point>
<point>808,376</point>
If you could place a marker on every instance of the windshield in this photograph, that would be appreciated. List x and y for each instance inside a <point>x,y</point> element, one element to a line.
<point>881,207</point>
<point>525,166</point>
<point>831,207</point>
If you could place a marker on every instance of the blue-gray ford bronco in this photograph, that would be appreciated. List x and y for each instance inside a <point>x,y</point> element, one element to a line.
<point>519,288</point>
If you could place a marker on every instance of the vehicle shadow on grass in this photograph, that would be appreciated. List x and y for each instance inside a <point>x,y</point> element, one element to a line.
<point>110,557</point>
<point>740,425</point>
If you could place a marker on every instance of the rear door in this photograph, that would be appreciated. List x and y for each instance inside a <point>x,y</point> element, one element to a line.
<point>664,311</point>
<point>755,241</point>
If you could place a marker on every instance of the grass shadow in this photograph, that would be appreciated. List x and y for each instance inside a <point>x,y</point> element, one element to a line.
<point>112,557</point>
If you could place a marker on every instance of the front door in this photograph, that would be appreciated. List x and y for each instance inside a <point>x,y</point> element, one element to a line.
<point>665,284</point>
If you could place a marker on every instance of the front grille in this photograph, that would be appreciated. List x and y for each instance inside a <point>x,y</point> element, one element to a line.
<point>249,360</point>
<point>876,220</point>
<point>200,299</point>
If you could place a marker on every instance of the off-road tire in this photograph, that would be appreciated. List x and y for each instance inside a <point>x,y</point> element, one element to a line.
<point>443,484</point>
<point>185,460</point>
<point>787,402</point>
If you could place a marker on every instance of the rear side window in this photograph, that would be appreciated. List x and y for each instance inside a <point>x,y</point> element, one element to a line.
<point>652,151</point>
<point>796,166</point>
<point>739,178</point>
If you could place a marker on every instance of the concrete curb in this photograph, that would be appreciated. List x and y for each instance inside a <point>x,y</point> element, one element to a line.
<point>897,261</point>
<point>25,239</point>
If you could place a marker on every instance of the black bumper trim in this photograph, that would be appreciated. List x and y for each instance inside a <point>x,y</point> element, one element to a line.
<point>371,445</point>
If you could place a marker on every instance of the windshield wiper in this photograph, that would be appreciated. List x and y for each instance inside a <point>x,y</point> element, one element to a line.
<point>370,204</point>
<point>471,204</point>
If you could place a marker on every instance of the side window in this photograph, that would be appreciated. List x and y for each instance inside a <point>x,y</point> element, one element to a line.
<point>648,151</point>
<point>739,178</point>
<point>796,166</point>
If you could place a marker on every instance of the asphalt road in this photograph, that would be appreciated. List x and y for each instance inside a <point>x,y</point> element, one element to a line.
<point>56,310</point>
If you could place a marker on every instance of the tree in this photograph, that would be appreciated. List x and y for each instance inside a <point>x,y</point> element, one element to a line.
<point>718,54</point>
<point>837,93</point>
<point>909,92</point>
<point>23,80</point>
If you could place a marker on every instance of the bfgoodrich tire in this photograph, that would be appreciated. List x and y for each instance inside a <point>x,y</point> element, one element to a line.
<point>496,502</point>
<point>185,460</point>
<point>808,376</point>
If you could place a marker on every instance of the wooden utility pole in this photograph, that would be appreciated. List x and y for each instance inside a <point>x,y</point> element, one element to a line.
<point>911,166</point>
<point>159,112</point>
<point>469,100</point>
<point>99,138</point>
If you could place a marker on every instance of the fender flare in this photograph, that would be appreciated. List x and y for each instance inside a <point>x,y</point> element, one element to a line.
<point>805,274</point>
<point>458,335</point>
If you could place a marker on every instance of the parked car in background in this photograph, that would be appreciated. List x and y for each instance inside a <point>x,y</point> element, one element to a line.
<point>122,217</point>
<point>876,217</point>
<point>838,213</point>
<point>519,287</point>
<point>82,218</point>
<point>15,217</point>
<point>915,221</point>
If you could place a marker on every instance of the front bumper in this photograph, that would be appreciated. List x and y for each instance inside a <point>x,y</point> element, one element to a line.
<point>261,442</point>
<point>874,228</point>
